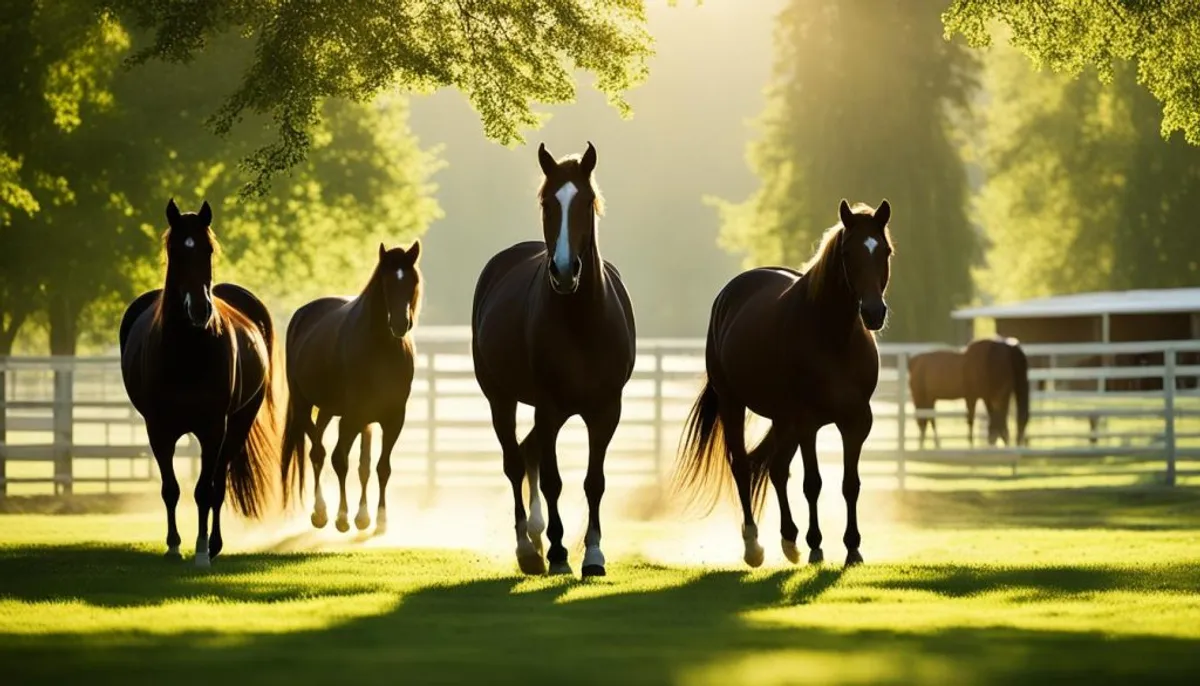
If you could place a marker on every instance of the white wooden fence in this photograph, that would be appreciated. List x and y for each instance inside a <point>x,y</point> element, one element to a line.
<point>68,422</point>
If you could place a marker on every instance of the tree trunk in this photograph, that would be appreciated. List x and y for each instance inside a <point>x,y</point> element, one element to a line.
<point>64,325</point>
<point>8,335</point>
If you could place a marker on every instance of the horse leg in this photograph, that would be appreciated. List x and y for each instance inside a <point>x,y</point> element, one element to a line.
<point>363,518</point>
<point>734,421</point>
<point>537,521</point>
<point>937,440</point>
<point>163,447</point>
<point>316,455</point>
<point>971,401</point>
<point>233,448</point>
<point>854,433</point>
<point>504,422</point>
<point>211,444</point>
<point>347,432</point>
<point>601,426</point>
<point>812,492</point>
<point>546,424</point>
<point>391,433</point>
<point>1001,409</point>
<point>782,452</point>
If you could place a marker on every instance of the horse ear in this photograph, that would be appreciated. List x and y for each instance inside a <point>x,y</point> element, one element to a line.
<point>588,163</point>
<point>415,251</point>
<point>206,214</point>
<point>883,213</point>
<point>546,160</point>
<point>844,213</point>
<point>382,251</point>
<point>172,212</point>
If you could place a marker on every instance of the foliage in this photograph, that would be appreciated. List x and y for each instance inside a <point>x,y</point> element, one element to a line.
<point>106,168</point>
<point>862,105</point>
<point>503,56</point>
<point>1082,192</point>
<point>1158,36</point>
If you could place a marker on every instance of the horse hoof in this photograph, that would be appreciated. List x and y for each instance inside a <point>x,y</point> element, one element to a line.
<point>853,558</point>
<point>816,557</point>
<point>343,524</point>
<point>173,553</point>
<point>214,550</point>
<point>380,528</point>
<point>560,568</point>
<point>593,570</point>
<point>203,561</point>
<point>362,522</point>
<point>533,565</point>
<point>319,520</point>
<point>790,551</point>
<point>754,554</point>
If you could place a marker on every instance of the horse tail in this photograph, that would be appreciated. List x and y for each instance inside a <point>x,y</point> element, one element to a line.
<point>761,458</point>
<point>295,428</point>
<point>1020,370</point>
<point>249,475</point>
<point>703,455</point>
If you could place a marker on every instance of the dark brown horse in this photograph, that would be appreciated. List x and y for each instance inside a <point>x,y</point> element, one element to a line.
<point>352,358</point>
<point>798,349</point>
<point>552,327</point>
<point>991,369</point>
<point>198,359</point>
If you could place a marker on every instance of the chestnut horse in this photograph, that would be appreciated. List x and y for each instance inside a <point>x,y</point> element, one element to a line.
<point>799,350</point>
<point>552,327</point>
<point>993,369</point>
<point>352,358</point>
<point>198,358</point>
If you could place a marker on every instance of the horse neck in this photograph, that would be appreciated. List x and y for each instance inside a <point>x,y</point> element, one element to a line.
<point>835,301</point>
<point>372,306</point>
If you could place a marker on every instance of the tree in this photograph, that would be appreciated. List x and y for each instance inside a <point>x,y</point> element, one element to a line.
<point>1157,36</point>
<point>1082,192</point>
<point>862,105</point>
<point>503,55</point>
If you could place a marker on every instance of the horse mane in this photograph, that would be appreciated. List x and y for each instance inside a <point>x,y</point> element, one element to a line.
<point>819,267</point>
<point>156,319</point>
<point>570,167</point>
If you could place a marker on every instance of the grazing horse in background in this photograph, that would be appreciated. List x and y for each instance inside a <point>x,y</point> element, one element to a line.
<point>199,359</point>
<point>552,327</point>
<point>993,369</point>
<point>352,358</point>
<point>799,350</point>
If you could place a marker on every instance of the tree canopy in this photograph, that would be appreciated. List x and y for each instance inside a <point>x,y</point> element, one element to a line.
<point>1157,36</point>
<point>1081,192</point>
<point>89,240</point>
<point>504,56</point>
<point>861,105</point>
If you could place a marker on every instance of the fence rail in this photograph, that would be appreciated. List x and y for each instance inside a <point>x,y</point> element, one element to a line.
<point>68,421</point>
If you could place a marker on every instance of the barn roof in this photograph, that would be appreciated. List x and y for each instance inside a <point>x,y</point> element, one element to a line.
<point>1151,301</point>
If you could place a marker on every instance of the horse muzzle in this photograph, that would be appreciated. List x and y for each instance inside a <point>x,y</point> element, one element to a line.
<point>874,315</point>
<point>561,283</point>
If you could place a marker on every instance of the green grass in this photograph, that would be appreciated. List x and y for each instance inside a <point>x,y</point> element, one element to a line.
<point>1089,585</point>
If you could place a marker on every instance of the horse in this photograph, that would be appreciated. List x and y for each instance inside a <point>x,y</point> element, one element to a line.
<point>353,358</point>
<point>797,348</point>
<point>993,369</point>
<point>552,326</point>
<point>201,359</point>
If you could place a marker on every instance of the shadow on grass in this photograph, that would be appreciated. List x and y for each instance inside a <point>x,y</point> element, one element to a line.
<point>506,630</point>
<point>1045,583</point>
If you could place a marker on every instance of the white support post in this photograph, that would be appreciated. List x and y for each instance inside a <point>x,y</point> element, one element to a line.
<point>1169,411</point>
<point>431,425</point>
<point>901,418</point>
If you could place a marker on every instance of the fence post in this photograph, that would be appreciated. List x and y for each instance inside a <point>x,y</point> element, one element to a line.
<point>1169,410</point>
<point>430,424</point>
<point>901,417</point>
<point>658,416</point>
<point>3,427</point>
<point>64,390</point>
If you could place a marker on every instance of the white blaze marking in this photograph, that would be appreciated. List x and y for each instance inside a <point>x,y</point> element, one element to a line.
<point>189,242</point>
<point>871,244</point>
<point>400,274</point>
<point>562,248</point>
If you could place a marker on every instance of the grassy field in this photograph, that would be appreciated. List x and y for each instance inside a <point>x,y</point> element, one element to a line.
<point>1016,586</point>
